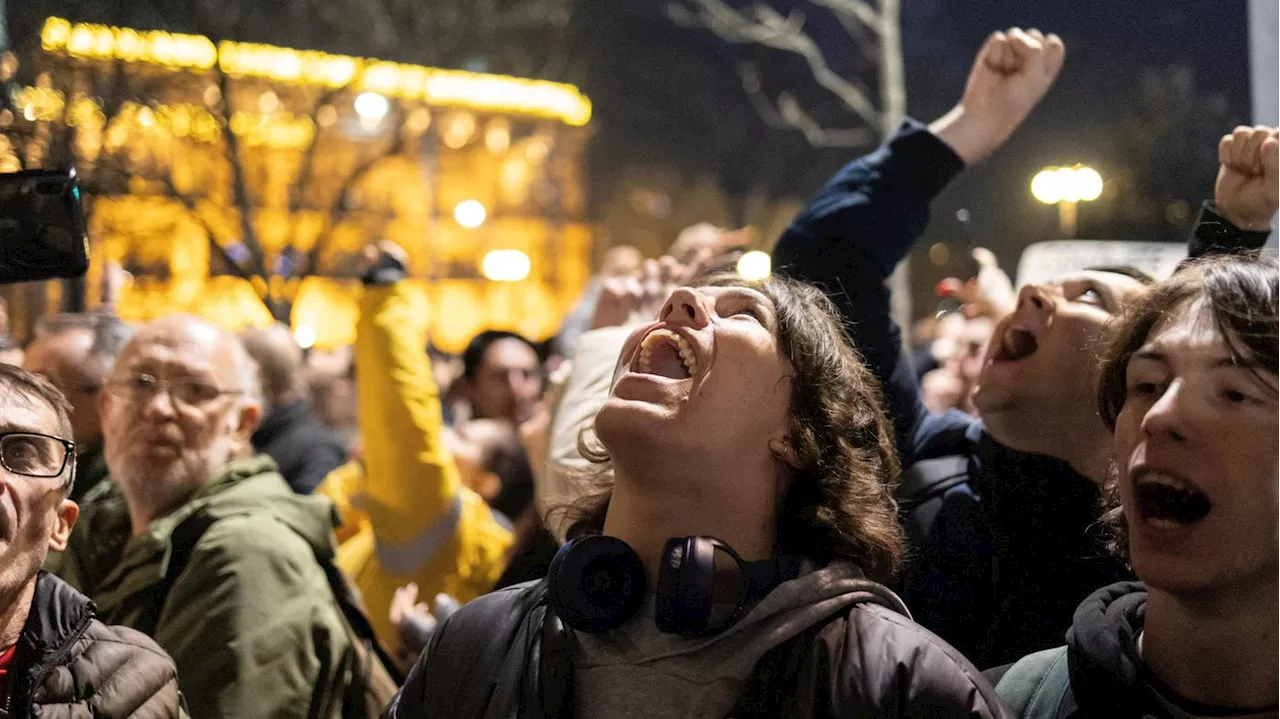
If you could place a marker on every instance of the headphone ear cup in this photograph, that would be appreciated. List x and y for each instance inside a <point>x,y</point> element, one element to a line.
<point>596,583</point>
<point>686,586</point>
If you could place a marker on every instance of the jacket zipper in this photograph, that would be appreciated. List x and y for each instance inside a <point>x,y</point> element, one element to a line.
<point>58,658</point>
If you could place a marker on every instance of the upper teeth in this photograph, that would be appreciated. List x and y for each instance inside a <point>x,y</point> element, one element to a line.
<point>1167,480</point>
<point>682,346</point>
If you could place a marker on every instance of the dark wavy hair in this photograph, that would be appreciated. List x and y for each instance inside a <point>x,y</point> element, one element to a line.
<point>1240,292</point>
<point>840,502</point>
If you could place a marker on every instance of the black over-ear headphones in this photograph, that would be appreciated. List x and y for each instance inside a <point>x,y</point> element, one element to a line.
<point>597,583</point>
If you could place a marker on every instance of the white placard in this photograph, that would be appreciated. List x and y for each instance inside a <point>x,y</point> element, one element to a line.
<point>1047,261</point>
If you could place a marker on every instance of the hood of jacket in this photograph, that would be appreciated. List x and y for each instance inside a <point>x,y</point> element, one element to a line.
<point>1102,646</point>
<point>254,486</point>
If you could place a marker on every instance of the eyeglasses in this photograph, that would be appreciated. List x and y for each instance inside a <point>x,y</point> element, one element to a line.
<point>32,454</point>
<point>188,391</point>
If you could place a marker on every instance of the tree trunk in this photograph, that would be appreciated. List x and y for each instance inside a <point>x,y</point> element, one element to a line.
<point>893,106</point>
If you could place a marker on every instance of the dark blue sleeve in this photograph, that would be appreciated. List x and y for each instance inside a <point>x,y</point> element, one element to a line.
<point>1213,234</point>
<point>849,238</point>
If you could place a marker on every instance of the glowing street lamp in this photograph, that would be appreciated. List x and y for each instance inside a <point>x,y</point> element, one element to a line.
<point>506,265</point>
<point>754,265</point>
<point>1066,187</point>
<point>470,214</point>
<point>371,107</point>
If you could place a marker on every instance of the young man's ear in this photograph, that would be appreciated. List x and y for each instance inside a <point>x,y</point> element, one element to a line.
<point>64,521</point>
<point>784,452</point>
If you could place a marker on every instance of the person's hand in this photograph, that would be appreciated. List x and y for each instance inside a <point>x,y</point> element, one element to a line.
<point>383,257</point>
<point>114,280</point>
<point>405,606</point>
<point>639,296</point>
<point>1246,190</point>
<point>1012,71</point>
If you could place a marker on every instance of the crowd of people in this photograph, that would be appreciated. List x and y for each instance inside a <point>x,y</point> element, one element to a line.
<point>706,497</point>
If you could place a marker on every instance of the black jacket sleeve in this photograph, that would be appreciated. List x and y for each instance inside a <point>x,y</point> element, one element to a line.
<point>849,238</point>
<point>1214,235</point>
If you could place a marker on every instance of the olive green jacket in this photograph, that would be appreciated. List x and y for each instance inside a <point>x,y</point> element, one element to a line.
<point>251,621</point>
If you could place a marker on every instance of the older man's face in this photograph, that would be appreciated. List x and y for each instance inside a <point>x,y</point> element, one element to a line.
<point>174,413</point>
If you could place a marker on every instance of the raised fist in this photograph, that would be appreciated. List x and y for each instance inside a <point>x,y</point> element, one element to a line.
<point>1246,191</point>
<point>1012,71</point>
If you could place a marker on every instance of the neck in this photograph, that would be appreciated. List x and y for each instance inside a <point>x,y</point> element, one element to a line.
<point>656,502</point>
<point>1219,651</point>
<point>14,608</point>
<point>145,508</point>
<point>1083,443</point>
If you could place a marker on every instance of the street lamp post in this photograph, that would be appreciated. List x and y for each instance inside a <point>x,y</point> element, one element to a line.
<point>1066,187</point>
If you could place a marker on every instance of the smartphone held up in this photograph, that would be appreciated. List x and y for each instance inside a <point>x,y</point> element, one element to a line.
<point>42,226</point>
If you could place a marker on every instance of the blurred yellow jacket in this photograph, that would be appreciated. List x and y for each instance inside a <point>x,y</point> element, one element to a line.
<point>405,515</point>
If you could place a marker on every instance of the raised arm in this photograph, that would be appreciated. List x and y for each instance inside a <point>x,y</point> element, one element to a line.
<point>856,229</point>
<point>411,483</point>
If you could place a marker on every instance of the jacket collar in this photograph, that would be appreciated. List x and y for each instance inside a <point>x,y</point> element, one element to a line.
<point>58,618</point>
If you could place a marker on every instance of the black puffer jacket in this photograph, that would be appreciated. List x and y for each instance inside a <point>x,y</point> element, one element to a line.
<point>72,665</point>
<point>489,660</point>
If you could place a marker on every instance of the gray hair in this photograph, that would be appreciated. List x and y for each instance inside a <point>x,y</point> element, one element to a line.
<point>110,334</point>
<point>30,389</point>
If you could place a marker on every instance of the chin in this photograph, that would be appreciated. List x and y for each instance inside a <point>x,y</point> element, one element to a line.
<point>632,424</point>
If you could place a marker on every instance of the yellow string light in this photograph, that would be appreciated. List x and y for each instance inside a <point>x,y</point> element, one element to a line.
<point>478,91</point>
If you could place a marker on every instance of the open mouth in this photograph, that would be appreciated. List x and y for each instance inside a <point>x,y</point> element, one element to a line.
<point>1016,344</point>
<point>1168,501</point>
<point>666,354</point>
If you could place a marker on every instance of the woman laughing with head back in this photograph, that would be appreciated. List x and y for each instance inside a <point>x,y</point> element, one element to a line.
<point>731,566</point>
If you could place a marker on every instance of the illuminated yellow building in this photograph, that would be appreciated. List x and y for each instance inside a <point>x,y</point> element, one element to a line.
<point>479,177</point>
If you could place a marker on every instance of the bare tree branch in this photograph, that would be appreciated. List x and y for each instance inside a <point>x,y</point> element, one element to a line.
<point>192,210</point>
<point>818,136</point>
<point>339,209</point>
<point>771,29</point>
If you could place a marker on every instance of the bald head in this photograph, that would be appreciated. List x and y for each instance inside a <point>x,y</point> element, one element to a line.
<point>196,342</point>
<point>279,361</point>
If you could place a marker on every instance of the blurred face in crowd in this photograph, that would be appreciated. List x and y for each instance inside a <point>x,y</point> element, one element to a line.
<point>1197,458</point>
<point>35,515</point>
<point>507,383</point>
<point>64,358</point>
<point>1038,364</point>
<point>175,412</point>
<point>707,379</point>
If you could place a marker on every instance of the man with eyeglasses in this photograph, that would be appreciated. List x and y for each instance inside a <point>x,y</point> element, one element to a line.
<point>76,351</point>
<point>201,544</point>
<point>54,653</point>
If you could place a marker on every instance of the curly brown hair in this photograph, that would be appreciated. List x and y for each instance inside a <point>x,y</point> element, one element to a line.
<point>840,502</point>
<point>1239,290</point>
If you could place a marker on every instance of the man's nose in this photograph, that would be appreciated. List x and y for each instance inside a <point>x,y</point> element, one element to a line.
<point>158,404</point>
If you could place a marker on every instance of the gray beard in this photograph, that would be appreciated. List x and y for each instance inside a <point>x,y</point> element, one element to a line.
<point>157,491</point>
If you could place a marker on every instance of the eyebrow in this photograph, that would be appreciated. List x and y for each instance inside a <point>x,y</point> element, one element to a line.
<point>1228,362</point>
<point>758,298</point>
<point>11,427</point>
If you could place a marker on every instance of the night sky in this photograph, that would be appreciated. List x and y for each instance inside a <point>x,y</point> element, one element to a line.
<point>670,95</point>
